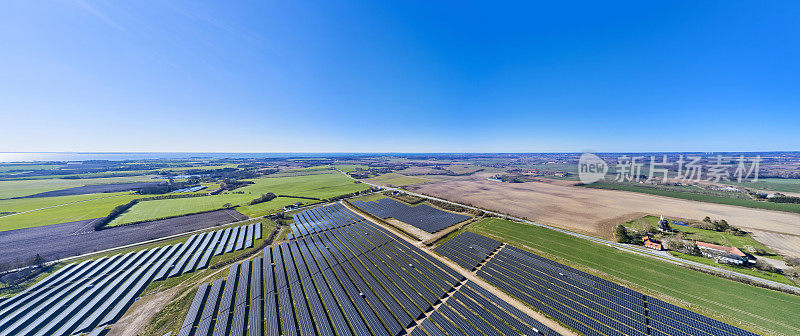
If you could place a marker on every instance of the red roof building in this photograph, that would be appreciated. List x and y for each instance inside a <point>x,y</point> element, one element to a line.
<point>652,243</point>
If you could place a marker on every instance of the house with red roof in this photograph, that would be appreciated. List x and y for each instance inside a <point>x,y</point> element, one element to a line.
<point>730,255</point>
<point>652,243</point>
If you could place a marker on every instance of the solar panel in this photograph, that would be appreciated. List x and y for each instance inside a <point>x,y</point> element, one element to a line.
<point>226,304</point>
<point>256,320</point>
<point>223,241</point>
<point>194,313</point>
<point>241,237</point>
<point>232,239</point>
<point>240,313</point>
<point>210,309</point>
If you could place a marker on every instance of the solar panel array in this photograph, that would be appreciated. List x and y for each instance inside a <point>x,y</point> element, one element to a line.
<point>320,219</point>
<point>88,296</point>
<point>424,217</point>
<point>350,277</point>
<point>468,249</point>
<point>588,304</point>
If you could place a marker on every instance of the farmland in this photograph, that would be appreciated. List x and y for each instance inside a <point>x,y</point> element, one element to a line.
<point>4,168</point>
<point>770,311</point>
<point>771,184</point>
<point>270,207</point>
<point>149,210</point>
<point>76,238</point>
<point>350,167</point>
<point>95,208</point>
<point>316,186</point>
<point>20,188</point>
<point>748,203</point>
<point>334,231</point>
<point>28,204</point>
<point>393,179</point>
<point>597,211</point>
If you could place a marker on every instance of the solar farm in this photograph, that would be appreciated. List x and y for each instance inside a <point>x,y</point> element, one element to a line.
<point>338,273</point>
<point>87,297</point>
<point>586,303</point>
<point>342,275</point>
<point>424,217</point>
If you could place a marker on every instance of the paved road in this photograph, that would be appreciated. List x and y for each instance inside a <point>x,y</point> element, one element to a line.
<point>624,247</point>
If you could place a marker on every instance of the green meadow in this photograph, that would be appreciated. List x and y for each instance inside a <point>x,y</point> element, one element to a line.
<point>89,209</point>
<point>761,310</point>
<point>316,186</point>
<point>20,188</point>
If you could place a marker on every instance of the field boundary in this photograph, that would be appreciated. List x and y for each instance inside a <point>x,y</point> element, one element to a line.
<point>624,247</point>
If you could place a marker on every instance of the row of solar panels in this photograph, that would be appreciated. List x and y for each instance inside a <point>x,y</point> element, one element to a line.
<point>319,219</point>
<point>588,304</point>
<point>352,279</point>
<point>423,216</point>
<point>468,249</point>
<point>95,293</point>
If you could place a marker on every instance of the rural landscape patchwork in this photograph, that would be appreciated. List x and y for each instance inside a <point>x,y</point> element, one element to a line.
<point>423,244</point>
<point>393,168</point>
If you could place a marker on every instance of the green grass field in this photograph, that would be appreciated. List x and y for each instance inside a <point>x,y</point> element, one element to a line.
<point>312,169</point>
<point>98,205</point>
<point>68,213</point>
<point>393,179</point>
<point>744,270</point>
<point>118,173</point>
<point>27,167</point>
<point>27,204</point>
<point>20,188</point>
<point>761,310</point>
<point>318,186</point>
<point>772,184</point>
<point>369,198</point>
<point>270,207</point>
<point>149,210</point>
<point>699,197</point>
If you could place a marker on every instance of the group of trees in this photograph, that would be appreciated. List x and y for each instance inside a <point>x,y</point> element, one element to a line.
<point>230,184</point>
<point>164,188</point>
<point>263,198</point>
<point>626,236</point>
<point>719,225</point>
<point>785,199</point>
<point>102,222</point>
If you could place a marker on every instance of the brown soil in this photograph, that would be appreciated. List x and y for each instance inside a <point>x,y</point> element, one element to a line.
<point>785,244</point>
<point>596,211</point>
<point>408,228</point>
<point>142,312</point>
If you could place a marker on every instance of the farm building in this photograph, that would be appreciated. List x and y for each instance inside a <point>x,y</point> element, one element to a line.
<point>652,243</point>
<point>731,255</point>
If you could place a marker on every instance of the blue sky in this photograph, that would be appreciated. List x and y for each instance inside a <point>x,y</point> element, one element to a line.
<point>404,76</point>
